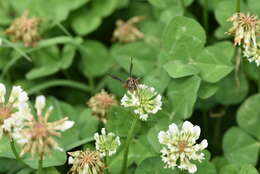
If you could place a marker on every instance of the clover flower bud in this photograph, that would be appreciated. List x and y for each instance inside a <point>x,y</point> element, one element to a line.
<point>126,31</point>
<point>145,100</point>
<point>86,162</point>
<point>253,54</point>
<point>180,146</point>
<point>245,27</point>
<point>106,144</point>
<point>100,104</point>
<point>38,135</point>
<point>25,29</point>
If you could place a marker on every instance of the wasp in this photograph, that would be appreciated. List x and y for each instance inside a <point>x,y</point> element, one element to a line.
<point>130,83</point>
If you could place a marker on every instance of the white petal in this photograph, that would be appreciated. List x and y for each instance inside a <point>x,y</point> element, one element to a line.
<point>118,141</point>
<point>96,136</point>
<point>59,148</point>
<point>103,131</point>
<point>204,144</point>
<point>67,125</point>
<point>187,126</point>
<point>40,104</point>
<point>161,136</point>
<point>70,160</point>
<point>2,93</point>
<point>192,168</point>
<point>143,117</point>
<point>173,128</point>
<point>197,131</point>
<point>23,97</point>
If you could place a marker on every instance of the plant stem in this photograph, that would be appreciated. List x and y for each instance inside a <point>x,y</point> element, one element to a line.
<point>128,141</point>
<point>237,67</point>
<point>106,169</point>
<point>205,122</point>
<point>40,161</point>
<point>259,80</point>
<point>91,84</point>
<point>63,29</point>
<point>238,6</point>
<point>205,15</point>
<point>17,49</point>
<point>18,158</point>
<point>183,6</point>
<point>217,131</point>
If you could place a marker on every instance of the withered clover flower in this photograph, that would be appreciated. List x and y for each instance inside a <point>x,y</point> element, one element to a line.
<point>126,31</point>
<point>38,135</point>
<point>100,103</point>
<point>245,27</point>
<point>25,29</point>
<point>13,110</point>
<point>86,162</point>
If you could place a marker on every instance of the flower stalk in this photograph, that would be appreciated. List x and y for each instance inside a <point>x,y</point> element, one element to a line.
<point>106,169</point>
<point>40,162</point>
<point>259,81</point>
<point>18,158</point>
<point>128,141</point>
<point>205,15</point>
<point>238,6</point>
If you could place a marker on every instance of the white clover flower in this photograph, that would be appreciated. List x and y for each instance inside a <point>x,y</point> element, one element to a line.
<point>180,146</point>
<point>38,135</point>
<point>13,110</point>
<point>145,100</point>
<point>106,144</point>
<point>253,54</point>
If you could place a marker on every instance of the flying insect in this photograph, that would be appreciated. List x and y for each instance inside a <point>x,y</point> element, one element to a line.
<point>130,83</point>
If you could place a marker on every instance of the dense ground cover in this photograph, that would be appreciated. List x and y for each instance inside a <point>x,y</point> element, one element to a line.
<point>129,86</point>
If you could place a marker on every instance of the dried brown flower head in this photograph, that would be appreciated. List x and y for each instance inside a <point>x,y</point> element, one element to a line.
<point>126,31</point>
<point>100,103</point>
<point>25,29</point>
<point>38,135</point>
<point>86,162</point>
<point>245,27</point>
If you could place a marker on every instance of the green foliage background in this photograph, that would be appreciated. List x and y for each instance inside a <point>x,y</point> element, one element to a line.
<point>191,65</point>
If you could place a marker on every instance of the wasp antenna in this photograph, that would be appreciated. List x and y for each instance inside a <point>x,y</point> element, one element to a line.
<point>131,67</point>
<point>114,77</point>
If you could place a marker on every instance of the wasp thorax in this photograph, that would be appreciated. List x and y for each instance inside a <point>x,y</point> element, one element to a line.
<point>131,84</point>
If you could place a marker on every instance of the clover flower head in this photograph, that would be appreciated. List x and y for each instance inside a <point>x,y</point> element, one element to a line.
<point>253,54</point>
<point>180,146</point>
<point>86,162</point>
<point>145,100</point>
<point>13,110</point>
<point>245,27</point>
<point>126,31</point>
<point>100,104</point>
<point>38,135</point>
<point>106,144</point>
<point>25,29</point>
